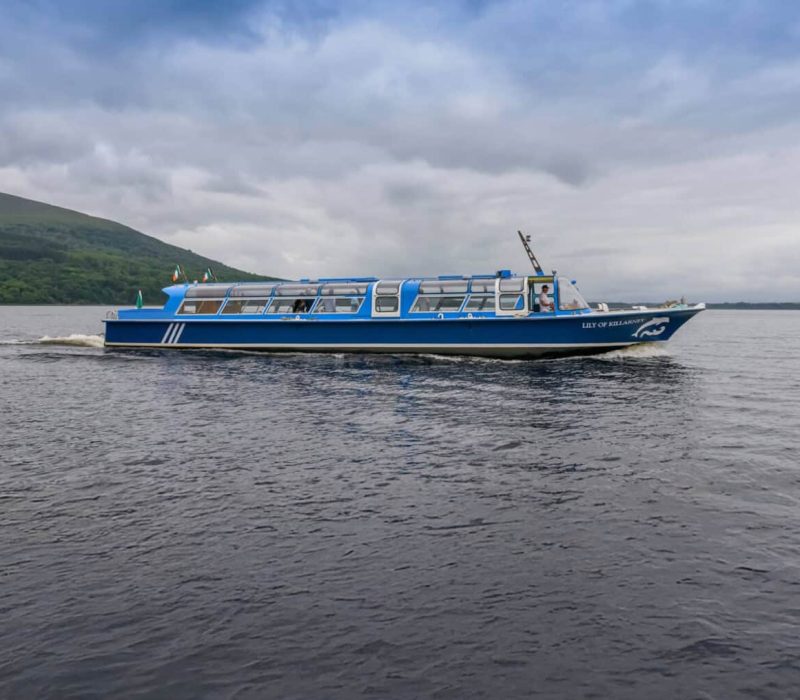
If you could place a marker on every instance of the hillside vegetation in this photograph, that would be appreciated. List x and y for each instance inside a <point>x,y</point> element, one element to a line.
<point>50,255</point>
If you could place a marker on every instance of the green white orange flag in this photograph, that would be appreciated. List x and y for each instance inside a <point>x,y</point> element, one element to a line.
<point>208,275</point>
<point>177,274</point>
<point>139,301</point>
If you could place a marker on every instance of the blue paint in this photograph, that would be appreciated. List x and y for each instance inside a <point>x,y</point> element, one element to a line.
<point>520,331</point>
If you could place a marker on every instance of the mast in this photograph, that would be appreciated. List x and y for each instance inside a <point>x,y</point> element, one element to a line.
<point>525,240</point>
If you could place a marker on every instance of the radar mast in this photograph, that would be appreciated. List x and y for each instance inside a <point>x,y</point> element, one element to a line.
<point>526,239</point>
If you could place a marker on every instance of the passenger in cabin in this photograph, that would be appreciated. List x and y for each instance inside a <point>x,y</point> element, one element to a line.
<point>545,302</point>
<point>300,306</point>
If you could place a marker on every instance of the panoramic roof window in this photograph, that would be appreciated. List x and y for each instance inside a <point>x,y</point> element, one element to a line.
<point>443,287</point>
<point>392,287</point>
<point>343,290</point>
<point>207,291</point>
<point>253,290</point>
<point>512,284</point>
<point>486,286</point>
<point>297,290</point>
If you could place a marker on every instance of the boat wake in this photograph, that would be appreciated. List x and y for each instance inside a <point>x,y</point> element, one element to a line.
<point>640,351</point>
<point>73,339</point>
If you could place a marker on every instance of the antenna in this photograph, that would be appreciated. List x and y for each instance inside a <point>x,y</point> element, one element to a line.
<point>525,241</point>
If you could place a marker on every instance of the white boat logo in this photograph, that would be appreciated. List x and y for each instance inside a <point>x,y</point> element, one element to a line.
<point>654,327</point>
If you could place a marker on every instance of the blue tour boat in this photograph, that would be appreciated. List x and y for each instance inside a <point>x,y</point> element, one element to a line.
<point>500,315</point>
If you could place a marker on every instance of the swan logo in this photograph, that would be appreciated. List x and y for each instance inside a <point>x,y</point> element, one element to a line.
<point>653,328</point>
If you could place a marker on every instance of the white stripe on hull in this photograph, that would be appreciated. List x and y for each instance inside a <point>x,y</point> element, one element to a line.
<point>177,334</point>
<point>166,333</point>
<point>171,335</point>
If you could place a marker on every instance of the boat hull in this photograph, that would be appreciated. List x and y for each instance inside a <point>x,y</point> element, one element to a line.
<point>500,337</point>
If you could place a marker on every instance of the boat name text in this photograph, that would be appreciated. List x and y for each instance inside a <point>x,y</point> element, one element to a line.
<point>610,324</point>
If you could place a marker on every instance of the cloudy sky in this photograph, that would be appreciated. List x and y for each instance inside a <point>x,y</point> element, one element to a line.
<point>651,147</point>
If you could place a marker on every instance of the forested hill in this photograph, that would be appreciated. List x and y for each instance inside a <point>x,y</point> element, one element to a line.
<point>50,255</point>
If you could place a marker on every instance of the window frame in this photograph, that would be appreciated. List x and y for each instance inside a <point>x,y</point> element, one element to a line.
<point>417,299</point>
<point>480,295</point>
<point>489,285</point>
<point>450,288</point>
<point>317,309</point>
<point>568,284</point>
<point>510,285</point>
<point>386,289</point>
<point>264,303</point>
<point>279,299</point>
<point>512,309</point>
<point>200,300</point>
<point>535,285</point>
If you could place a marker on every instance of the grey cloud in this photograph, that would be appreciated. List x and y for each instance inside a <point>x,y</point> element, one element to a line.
<point>366,149</point>
<point>233,184</point>
<point>30,138</point>
<point>404,194</point>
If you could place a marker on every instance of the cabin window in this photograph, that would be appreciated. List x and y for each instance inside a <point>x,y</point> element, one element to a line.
<point>386,304</point>
<point>437,303</point>
<point>290,305</point>
<point>478,302</point>
<point>512,284</point>
<point>486,286</point>
<point>339,305</point>
<point>569,298</point>
<point>511,302</point>
<point>386,288</point>
<point>245,306</point>
<point>200,306</point>
<point>443,287</point>
<point>541,290</point>
<point>450,303</point>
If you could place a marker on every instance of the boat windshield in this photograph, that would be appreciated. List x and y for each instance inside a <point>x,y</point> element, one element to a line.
<point>569,298</point>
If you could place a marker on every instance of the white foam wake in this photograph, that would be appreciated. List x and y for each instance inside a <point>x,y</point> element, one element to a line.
<point>77,339</point>
<point>636,352</point>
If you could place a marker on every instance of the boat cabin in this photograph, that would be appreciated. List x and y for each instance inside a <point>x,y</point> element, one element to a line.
<point>480,296</point>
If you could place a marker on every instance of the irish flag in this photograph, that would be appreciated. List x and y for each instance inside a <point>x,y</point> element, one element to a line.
<point>139,301</point>
<point>177,274</point>
<point>208,275</point>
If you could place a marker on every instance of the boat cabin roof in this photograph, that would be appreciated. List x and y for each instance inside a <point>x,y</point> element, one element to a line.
<point>444,296</point>
<point>441,284</point>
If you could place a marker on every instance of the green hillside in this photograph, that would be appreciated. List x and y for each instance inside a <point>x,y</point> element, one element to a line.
<point>50,255</point>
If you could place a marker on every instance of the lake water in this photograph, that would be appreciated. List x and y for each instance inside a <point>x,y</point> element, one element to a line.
<point>230,525</point>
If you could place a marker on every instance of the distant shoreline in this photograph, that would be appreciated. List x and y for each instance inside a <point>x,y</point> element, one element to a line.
<point>725,305</point>
<point>766,306</point>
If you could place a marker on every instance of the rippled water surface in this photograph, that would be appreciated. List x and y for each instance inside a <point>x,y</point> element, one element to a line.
<point>203,525</point>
